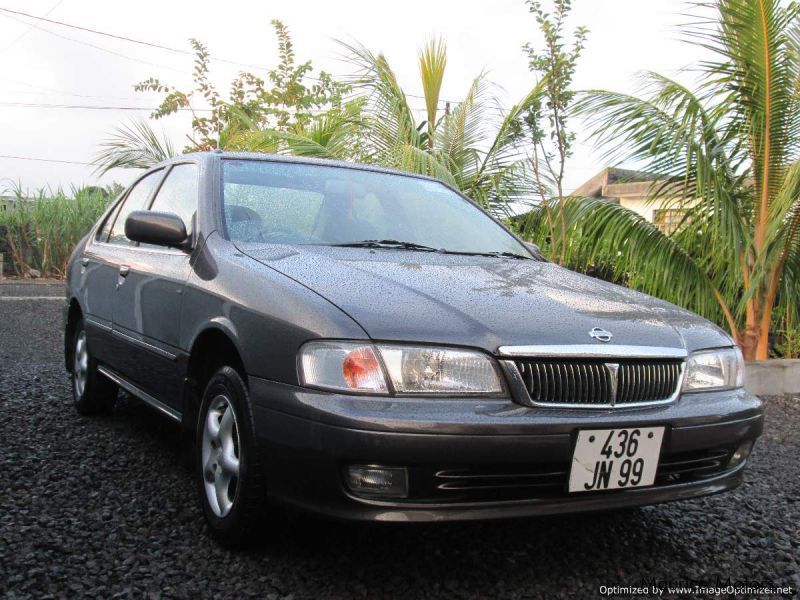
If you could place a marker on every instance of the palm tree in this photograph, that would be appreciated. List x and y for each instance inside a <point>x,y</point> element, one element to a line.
<point>474,145</point>
<point>456,145</point>
<point>727,154</point>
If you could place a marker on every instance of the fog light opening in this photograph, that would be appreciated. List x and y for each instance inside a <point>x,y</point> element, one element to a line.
<point>741,454</point>
<point>373,480</point>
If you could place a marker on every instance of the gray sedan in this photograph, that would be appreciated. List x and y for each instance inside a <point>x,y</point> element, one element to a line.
<point>369,344</point>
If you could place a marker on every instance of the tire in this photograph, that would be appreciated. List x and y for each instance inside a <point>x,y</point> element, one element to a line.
<point>230,480</point>
<point>92,393</point>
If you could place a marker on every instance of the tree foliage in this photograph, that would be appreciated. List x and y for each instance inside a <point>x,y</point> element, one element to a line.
<point>547,117</point>
<point>290,99</point>
<point>282,101</point>
<point>726,154</point>
<point>470,145</point>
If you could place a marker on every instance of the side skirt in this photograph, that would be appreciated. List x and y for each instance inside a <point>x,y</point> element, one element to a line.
<point>139,393</point>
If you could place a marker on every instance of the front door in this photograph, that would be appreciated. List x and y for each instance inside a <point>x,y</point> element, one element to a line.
<point>149,293</point>
<point>100,264</point>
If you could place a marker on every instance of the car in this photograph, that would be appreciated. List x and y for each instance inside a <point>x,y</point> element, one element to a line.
<point>369,344</point>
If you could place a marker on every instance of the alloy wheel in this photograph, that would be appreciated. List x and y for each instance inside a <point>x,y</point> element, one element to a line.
<point>80,367</point>
<point>221,455</point>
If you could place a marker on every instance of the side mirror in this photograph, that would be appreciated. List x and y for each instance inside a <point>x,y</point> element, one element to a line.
<point>159,228</point>
<point>534,249</point>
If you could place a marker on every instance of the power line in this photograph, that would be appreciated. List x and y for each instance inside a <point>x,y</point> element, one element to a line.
<point>54,91</point>
<point>46,105</point>
<point>90,107</point>
<point>89,30</point>
<point>131,40</point>
<point>20,104</point>
<point>106,50</point>
<point>52,160</point>
<point>156,46</point>
<point>40,89</point>
<point>159,47</point>
<point>109,107</point>
<point>33,26</point>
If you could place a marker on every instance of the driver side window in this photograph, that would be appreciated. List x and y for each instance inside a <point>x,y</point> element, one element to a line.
<point>178,194</point>
<point>136,200</point>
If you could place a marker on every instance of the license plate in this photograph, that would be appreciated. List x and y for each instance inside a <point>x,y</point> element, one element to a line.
<point>608,459</point>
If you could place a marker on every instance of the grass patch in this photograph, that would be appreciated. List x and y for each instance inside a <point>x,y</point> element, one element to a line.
<point>39,232</point>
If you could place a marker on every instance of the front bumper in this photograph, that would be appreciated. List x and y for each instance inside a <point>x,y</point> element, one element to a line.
<point>482,458</point>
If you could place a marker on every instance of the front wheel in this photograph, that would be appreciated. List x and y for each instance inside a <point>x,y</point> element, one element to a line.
<point>92,393</point>
<point>232,486</point>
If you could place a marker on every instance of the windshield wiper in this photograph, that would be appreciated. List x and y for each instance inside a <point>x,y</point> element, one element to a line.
<point>391,244</point>
<point>398,245</point>
<point>500,254</point>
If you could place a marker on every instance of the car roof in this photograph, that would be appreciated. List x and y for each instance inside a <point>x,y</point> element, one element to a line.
<point>280,158</point>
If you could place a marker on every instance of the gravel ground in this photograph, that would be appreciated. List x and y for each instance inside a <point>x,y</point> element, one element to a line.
<point>105,507</point>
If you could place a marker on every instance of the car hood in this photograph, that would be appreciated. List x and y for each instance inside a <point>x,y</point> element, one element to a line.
<point>479,301</point>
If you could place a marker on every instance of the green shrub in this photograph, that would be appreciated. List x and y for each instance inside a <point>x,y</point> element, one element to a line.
<point>788,344</point>
<point>40,232</point>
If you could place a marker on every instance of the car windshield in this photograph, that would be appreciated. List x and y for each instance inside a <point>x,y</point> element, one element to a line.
<point>290,203</point>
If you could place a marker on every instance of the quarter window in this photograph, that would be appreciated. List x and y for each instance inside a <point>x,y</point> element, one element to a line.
<point>178,194</point>
<point>102,233</point>
<point>136,200</point>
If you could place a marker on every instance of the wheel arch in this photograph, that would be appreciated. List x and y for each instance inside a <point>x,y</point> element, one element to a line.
<point>213,347</point>
<point>74,313</point>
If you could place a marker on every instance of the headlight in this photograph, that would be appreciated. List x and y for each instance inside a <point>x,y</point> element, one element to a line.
<point>407,370</point>
<point>714,370</point>
<point>423,370</point>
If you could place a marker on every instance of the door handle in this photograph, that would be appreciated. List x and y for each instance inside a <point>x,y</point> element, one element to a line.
<point>84,262</point>
<point>124,270</point>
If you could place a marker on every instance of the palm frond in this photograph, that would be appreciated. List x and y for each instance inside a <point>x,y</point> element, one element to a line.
<point>432,64</point>
<point>636,251</point>
<point>694,170</point>
<point>503,175</point>
<point>133,146</point>
<point>390,119</point>
<point>413,159</point>
<point>759,72</point>
<point>461,132</point>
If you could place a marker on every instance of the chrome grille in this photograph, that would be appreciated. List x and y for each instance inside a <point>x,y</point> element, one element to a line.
<point>647,382</point>
<point>599,383</point>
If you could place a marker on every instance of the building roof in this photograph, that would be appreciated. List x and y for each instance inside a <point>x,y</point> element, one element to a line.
<point>612,182</point>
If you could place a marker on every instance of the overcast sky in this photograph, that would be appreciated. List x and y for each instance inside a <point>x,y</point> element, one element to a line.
<point>38,65</point>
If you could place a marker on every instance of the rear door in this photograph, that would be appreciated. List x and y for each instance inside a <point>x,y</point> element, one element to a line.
<point>100,267</point>
<point>147,306</point>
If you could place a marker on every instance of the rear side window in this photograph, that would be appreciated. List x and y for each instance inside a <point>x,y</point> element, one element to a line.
<point>178,194</point>
<point>136,200</point>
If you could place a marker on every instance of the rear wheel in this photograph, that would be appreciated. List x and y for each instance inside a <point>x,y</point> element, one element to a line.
<point>232,485</point>
<point>92,393</point>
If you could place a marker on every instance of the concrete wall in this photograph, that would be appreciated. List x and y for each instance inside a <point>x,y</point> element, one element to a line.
<point>645,206</point>
<point>641,205</point>
<point>773,377</point>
